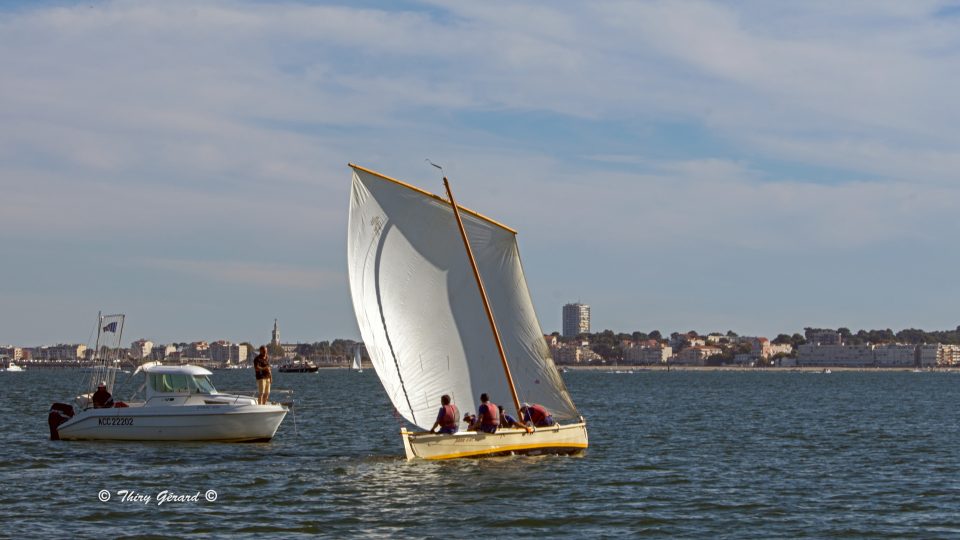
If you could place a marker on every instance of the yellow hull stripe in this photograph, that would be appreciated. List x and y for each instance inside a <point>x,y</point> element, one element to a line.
<point>508,448</point>
<point>428,194</point>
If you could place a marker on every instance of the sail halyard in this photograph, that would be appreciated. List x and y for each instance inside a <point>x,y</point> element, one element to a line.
<point>483,295</point>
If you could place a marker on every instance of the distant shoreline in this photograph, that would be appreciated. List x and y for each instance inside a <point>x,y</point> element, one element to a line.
<point>810,369</point>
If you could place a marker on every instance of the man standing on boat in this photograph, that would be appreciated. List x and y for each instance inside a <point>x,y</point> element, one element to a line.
<point>488,415</point>
<point>448,416</point>
<point>261,368</point>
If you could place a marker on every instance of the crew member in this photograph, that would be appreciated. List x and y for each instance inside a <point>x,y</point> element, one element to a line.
<point>101,398</point>
<point>507,421</point>
<point>447,417</point>
<point>537,415</point>
<point>488,415</point>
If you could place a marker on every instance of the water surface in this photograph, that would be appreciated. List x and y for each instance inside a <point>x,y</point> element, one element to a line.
<point>672,454</point>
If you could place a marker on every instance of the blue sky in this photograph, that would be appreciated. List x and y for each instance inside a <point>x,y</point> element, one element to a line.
<point>686,165</point>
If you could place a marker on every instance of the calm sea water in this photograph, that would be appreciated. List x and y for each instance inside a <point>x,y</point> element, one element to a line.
<point>678,454</point>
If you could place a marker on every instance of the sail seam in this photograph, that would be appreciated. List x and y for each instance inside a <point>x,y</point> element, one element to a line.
<point>383,321</point>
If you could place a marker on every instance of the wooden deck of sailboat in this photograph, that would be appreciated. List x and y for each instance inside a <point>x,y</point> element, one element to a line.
<point>558,439</point>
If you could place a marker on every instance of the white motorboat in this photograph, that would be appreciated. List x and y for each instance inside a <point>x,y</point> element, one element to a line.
<point>11,367</point>
<point>181,404</point>
<point>431,327</point>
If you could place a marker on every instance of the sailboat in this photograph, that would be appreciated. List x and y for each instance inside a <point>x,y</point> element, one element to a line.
<point>357,364</point>
<point>443,308</point>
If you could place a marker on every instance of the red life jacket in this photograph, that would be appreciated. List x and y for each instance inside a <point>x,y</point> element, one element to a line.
<point>449,416</point>
<point>492,415</point>
<point>537,414</point>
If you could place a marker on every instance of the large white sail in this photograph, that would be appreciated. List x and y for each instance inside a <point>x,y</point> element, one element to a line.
<point>420,312</point>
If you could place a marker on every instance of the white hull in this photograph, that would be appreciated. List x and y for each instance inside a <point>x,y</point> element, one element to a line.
<point>558,439</point>
<point>228,423</point>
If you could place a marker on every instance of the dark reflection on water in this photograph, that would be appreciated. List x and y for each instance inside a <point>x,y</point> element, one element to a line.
<point>711,454</point>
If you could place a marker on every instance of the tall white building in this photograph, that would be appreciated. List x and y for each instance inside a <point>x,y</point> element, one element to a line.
<point>576,319</point>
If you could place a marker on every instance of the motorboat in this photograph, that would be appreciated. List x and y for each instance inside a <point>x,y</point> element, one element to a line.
<point>11,367</point>
<point>298,367</point>
<point>180,404</point>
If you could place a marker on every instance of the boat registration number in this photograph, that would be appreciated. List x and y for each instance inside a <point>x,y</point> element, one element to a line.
<point>116,421</point>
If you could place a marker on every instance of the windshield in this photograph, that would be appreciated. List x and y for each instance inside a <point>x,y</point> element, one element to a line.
<point>181,383</point>
<point>203,384</point>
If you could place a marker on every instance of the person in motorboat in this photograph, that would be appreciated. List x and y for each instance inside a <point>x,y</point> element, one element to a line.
<point>101,398</point>
<point>447,417</point>
<point>488,415</point>
<point>261,368</point>
<point>537,415</point>
<point>507,421</point>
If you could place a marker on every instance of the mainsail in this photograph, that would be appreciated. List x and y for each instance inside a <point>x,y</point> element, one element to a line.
<point>420,312</point>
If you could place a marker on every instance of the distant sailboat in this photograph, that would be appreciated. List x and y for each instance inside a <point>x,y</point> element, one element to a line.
<point>357,365</point>
<point>418,264</point>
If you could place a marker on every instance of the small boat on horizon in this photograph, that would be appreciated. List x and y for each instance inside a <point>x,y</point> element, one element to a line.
<point>13,368</point>
<point>304,366</point>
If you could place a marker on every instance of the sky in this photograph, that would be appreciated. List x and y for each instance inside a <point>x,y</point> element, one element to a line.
<point>751,166</point>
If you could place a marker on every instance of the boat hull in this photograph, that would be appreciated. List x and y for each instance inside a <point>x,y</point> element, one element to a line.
<point>244,423</point>
<point>558,439</point>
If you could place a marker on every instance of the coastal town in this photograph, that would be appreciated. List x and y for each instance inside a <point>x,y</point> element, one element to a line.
<point>575,346</point>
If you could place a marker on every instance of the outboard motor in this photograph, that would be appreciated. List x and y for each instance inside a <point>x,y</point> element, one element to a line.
<point>59,413</point>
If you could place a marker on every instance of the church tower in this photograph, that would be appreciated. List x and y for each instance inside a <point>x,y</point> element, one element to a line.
<point>275,339</point>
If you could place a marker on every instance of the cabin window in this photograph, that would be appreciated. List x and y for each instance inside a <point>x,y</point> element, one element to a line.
<point>203,385</point>
<point>170,382</point>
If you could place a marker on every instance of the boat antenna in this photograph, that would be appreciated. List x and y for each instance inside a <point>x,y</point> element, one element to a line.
<point>483,293</point>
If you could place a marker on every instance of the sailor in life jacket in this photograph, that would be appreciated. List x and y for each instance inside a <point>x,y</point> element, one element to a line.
<point>536,414</point>
<point>488,415</point>
<point>507,421</point>
<point>448,416</point>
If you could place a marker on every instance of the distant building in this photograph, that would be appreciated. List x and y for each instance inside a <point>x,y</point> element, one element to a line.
<point>225,352</point>
<point>823,337</point>
<point>573,353</point>
<point>61,353</point>
<point>648,352</point>
<point>695,356</point>
<point>196,351</point>
<point>888,355</point>
<point>141,348</point>
<point>576,319</point>
<point>12,353</point>
<point>162,352</point>
<point>275,335</point>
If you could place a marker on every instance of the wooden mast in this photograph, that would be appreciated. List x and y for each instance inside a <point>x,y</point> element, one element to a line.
<point>483,296</point>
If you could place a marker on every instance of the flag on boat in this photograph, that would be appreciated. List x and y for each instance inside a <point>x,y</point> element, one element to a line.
<point>112,327</point>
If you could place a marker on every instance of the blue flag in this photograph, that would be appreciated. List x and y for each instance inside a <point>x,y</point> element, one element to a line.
<point>112,327</point>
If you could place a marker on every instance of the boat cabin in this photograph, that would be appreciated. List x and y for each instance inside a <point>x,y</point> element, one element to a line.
<point>183,385</point>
